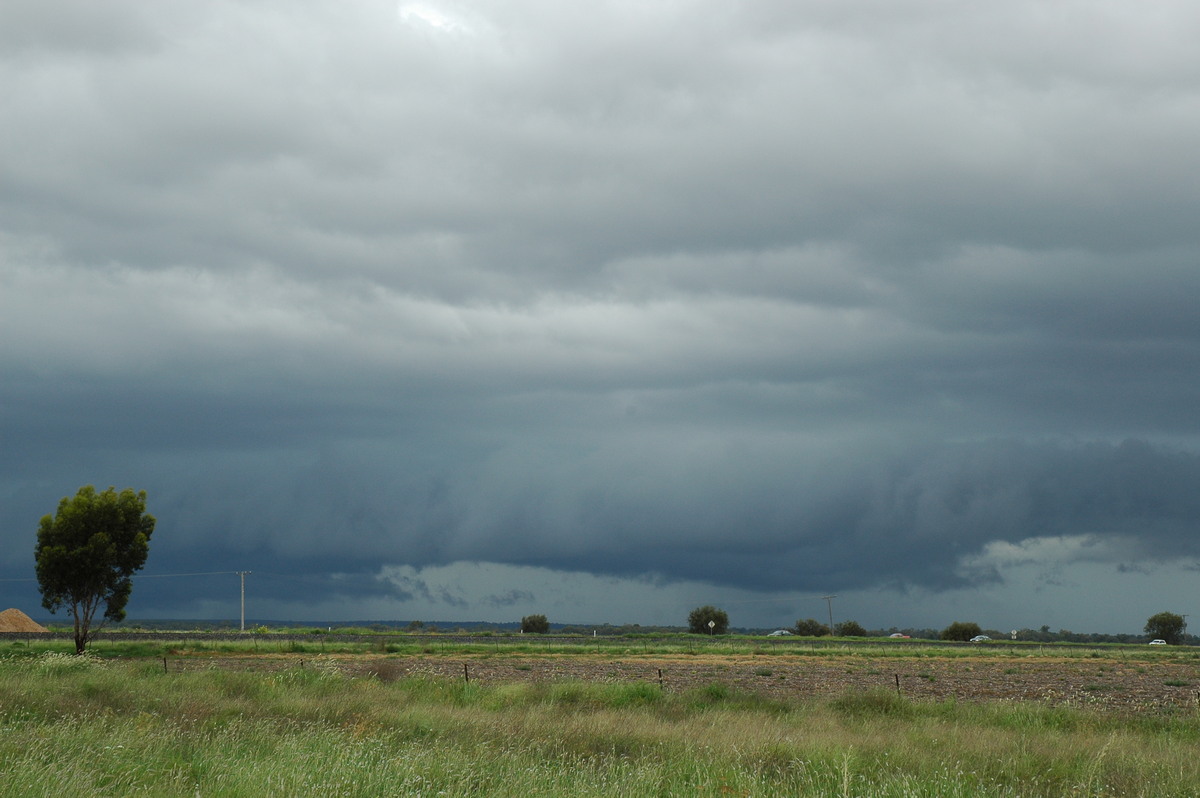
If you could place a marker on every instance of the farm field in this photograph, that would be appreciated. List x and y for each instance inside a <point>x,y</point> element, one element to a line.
<point>464,721</point>
<point>1115,684</point>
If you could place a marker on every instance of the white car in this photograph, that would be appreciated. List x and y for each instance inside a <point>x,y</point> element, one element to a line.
<point>980,639</point>
<point>779,633</point>
<point>1158,642</point>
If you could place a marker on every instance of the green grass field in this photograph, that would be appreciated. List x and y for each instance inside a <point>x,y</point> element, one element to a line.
<point>96,725</point>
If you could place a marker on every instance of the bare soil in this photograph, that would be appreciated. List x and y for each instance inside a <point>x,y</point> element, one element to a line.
<point>1113,683</point>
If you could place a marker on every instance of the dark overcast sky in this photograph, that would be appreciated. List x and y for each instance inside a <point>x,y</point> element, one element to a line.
<point>467,310</point>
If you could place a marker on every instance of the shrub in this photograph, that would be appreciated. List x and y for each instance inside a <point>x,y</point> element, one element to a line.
<point>811,628</point>
<point>850,629</point>
<point>699,619</point>
<point>961,630</point>
<point>535,624</point>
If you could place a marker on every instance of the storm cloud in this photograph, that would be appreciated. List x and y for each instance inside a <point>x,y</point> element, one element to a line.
<point>459,310</point>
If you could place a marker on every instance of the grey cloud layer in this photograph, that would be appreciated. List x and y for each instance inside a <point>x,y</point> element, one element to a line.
<point>771,514</point>
<point>756,294</point>
<point>535,149</point>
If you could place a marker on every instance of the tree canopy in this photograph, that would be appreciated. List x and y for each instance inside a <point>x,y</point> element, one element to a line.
<point>811,627</point>
<point>850,629</point>
<point>1166,626</point>
<point>87,553</point>
<point>698,620</point>
<point>535,624</point>
<point>961,630</point>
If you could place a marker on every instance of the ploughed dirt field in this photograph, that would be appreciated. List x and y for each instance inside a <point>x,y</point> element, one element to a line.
<point>1113,683</point>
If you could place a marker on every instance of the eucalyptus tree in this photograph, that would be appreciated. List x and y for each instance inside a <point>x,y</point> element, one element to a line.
<point>1166,626</point>
<point>708,620</point>
<point>87,553</point>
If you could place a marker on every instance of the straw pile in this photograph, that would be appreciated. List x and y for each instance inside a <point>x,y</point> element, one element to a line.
<point>17,621</point>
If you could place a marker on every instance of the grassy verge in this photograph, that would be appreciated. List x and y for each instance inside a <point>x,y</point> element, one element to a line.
<point>71,725</point>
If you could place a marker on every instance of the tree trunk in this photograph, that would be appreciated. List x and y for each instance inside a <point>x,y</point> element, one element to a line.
<point>82,625</point>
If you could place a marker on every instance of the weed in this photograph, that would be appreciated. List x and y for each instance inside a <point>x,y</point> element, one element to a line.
<point>57,662</point>
<point>875,701</point>
<point>120,728</point>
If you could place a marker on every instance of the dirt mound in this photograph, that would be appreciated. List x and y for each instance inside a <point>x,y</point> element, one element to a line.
<point>17,621</point>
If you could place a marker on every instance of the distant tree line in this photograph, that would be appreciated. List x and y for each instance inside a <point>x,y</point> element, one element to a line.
<point>1174,631</point>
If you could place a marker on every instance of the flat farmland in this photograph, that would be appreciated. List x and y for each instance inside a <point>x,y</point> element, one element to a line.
<point>1136,681</point>
<point>284,717</point>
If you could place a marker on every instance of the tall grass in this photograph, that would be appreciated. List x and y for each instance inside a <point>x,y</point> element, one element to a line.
<point>86,726</point>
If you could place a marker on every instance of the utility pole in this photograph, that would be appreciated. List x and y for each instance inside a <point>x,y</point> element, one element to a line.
<point>242,574</point>
<point>829,601</point>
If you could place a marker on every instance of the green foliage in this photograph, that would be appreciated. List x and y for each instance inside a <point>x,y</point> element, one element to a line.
<point>699,618</point>
<point>811,628</point>
<point>535,624</point>
<point>850,629</point>
<point>1167,626</point>
<point>87,553</point>
<point>961,630</point>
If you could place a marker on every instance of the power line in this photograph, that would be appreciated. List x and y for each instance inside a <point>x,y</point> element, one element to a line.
<point>295,577</point>
<point>142,576</point>
<point>148,576</point>
<point>201,573</point>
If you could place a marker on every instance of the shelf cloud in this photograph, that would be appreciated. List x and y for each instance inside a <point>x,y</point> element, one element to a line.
<point>463,311</point>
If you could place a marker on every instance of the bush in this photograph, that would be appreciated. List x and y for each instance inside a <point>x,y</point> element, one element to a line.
<point>811,628</point>
<point>699,619</point>
<point>850,629</point>
<point>961,630</point>
<point>535,625</point>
